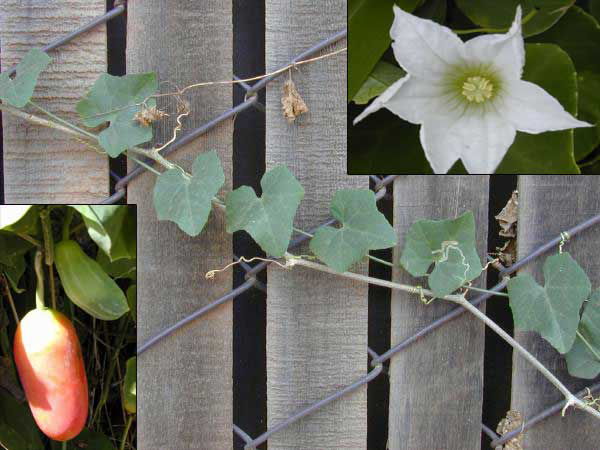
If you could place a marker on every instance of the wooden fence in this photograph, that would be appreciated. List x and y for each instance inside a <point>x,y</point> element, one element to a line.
<point>317,324</point>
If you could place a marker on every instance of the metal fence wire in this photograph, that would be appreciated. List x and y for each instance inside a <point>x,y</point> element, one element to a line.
<point>380,188</point>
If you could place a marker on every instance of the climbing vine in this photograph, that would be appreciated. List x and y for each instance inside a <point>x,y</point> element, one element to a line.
<point>440,253</point>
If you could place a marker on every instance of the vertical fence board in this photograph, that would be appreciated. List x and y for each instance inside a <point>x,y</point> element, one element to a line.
<point>316,323</point>
<point>185,381</point>
<point>43,165</point>
<point>436,383</point>
<point>547,206</point>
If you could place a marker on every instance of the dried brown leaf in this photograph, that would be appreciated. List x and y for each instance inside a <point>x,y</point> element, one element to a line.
<point>293,105</point>
<point>512,421</point>
<point>508,252</point>
<point>148,115</point>
<point>507,218</point>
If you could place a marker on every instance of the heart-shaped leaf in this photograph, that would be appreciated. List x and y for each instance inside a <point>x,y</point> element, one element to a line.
<point>112,227</point>
<point>552,310</point>
<point>14,271</point>
<point>188,201</point>
<point>363,228</point>
<point>382,77</point>
<point>12,246</point>
<point>267,219</point>
<point>117,100</point>
<point>582,361</point>
<point>18,91</point>
<point>450,245</point>
<point>119,268</point>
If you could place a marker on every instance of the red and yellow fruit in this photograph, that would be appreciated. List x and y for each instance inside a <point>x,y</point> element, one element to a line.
<point>51,369</point>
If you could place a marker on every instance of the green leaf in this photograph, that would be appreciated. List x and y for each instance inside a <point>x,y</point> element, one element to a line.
<point>116,100</point>
<point>578,34</point>
<point>595,9</point>
<point>132,301</point>
<point>267,219</point>
<point>19,218</point>
<point>581,360</point>
<point>392,146</point>
<point>14,272</point>
<point>369,23</point>
<point>12,246</point>
<point>433,10</point>
<point>119,268</point>
<point>86,440</point>
<point>112,227</point>
<point>18,430</point>
<point>363,228</point>
<point>129,386</point>
<point>382,77</point>
<point>587,139</point>
<point>188,201</point>
<point>500,14</point>
<point>18,91</point>
<point>552,310</point>
<point>450,245</point>
<point>552,152</point>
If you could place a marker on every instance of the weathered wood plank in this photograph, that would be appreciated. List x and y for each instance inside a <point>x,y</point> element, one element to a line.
<point>185,395</point>
<point>42,165</point>
<point>547,206</point>
<point>436,383</point>
<point>316,323</point>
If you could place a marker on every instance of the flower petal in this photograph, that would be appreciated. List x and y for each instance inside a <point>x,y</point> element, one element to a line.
<point>532,110</point>
<point>410,98</point>
<point>479,138</point>
<point>505,52</point>
<point>424,48</point>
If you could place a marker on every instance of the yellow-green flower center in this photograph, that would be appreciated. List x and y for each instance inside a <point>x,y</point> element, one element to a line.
<point>477,89</point>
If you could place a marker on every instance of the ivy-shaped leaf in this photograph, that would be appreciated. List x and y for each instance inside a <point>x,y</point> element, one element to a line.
<point>581,360</point>
<point>552,310</point>
<point>450,245</point>
<point>117,100</point>
<point>363,228</point>
<point>267,219</point>
<point>185,200</point>
<point>17,91</point>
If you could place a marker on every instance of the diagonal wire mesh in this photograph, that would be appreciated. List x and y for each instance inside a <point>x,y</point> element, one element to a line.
<point>380,188</point>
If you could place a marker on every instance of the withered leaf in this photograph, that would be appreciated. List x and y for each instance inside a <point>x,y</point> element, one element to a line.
<point>292,103</point>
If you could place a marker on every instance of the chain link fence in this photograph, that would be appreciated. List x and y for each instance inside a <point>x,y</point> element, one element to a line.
<point>251,282</point>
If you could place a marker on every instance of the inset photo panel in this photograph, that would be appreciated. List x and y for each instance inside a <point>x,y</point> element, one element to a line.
<point>473,87</point>
<point>67,327</point>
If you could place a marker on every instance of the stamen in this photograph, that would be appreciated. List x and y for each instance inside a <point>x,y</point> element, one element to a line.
<point>477,89</point>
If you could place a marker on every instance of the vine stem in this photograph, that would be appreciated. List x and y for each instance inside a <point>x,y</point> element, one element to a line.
<point>10,299</point>
<point>293,260</point>
<point>126,432</point>
<point>67,224</point>
<point>526,19</point>
<point>39,290</point>
<point>29,239</point>
<point>80,133</point>
<point>588,345</point>
<point>64,445</point>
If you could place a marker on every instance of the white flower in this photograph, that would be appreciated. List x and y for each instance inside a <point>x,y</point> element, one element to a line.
<point>468,97</point>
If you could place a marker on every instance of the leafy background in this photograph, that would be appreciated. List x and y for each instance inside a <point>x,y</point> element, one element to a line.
<point>562,46</point>
<point>107,346</point>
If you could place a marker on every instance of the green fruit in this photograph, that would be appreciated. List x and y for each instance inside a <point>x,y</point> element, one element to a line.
<point>86,284</point>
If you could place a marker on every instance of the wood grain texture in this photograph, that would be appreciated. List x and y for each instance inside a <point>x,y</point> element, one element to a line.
<point>316,323</point>
<point>185,395</point>
<point>42,165</point>
<point>436,383</point>
<point>547,206</point>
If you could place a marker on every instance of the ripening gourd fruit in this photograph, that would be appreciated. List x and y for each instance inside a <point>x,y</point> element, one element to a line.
<point>52,372</point>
